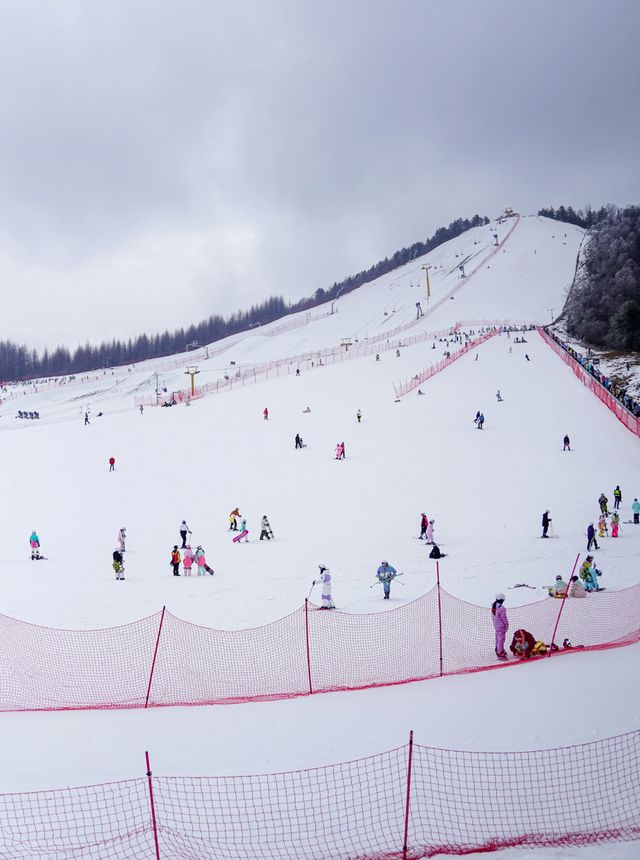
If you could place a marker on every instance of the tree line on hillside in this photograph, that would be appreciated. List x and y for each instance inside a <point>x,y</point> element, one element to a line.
<point>19,362</point>
<point>586,217</point>
<point>603,308</point>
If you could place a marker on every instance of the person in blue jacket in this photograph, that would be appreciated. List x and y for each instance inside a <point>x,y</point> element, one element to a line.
<point>385,574</point>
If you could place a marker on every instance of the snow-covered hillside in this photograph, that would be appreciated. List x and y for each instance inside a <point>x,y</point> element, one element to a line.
<point>486,490</point>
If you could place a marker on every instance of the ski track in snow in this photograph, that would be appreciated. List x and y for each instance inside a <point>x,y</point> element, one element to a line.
<point>486,490</point>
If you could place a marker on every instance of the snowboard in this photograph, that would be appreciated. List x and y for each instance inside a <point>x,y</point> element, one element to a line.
<point>239,537</point>
<point>208,569</point>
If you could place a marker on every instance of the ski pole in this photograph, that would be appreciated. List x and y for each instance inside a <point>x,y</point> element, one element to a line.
<point>311,589</point>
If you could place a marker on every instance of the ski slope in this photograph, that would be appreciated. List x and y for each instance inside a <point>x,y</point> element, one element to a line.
<point>486,490</point>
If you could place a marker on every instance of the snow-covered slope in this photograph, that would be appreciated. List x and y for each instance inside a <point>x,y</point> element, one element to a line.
<point>486,491</point>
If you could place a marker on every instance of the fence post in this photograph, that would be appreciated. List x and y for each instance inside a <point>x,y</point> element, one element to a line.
<point>562,606</point>
<point>155,654</point>
<point>439,613</point>
<point>405,846</point>
<point>153,808</point>
<point>306,629</point>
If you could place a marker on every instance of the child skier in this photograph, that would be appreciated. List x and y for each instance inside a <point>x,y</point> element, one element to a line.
<point>117,564</point>
<point>175,560</point>
<point>325,579</point>
<point>603,529</point>
<point>615,524</point>
<point>385,574</point>
<point>500,625</point>
<point>122,535</point>
<point>430,531</point>
<point>34,542</point>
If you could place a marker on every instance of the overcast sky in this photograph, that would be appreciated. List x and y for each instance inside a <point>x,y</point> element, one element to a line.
<point>161,161</point>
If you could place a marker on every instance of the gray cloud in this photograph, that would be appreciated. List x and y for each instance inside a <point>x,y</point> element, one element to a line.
<point>160,161</point>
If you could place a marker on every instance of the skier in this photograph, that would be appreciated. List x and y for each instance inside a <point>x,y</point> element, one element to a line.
<point>34,542</point>
<point>500,625</point>
<point>591,537</point>
<point>419,311</point>
<point>306,410</point>
<point>617,497</point>
<point>325,579</point>
<point>385,574</point>
<point>117,564</point>
<point>377,356</point>
<point>430,531</point>
<point>187,560</point>
<point>397,353</point>
<point>86,419</point>
<point>480,421</point>
<point>122,536</point>
<point>233,522</point>
<point>175,560</point>
<point>615,524</point>
<point>339,451</point>
<point>498,396</point>
<point>112,464</point>
<point>603,529</point>
<point>424,524</point>
<point>265,413</point>
<point>635,507</point>
<point>546,520</point>
<point>603,501</point>
<point>527,357</point>
<point>266,528</point>
<point>359,416</point>
<point>477,418</point>
<point>184,530</point>
<point>566,444</point>
<point>298,441</point>
<point>342,451</point>
<point>141,409</point>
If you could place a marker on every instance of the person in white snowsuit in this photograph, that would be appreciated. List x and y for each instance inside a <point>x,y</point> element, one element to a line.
<point>325,579</point>
<point>184,531</point>
<point>430,531</point>
<point>122,535</point>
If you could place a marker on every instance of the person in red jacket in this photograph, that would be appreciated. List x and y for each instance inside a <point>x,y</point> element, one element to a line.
<point>112,464</point>
<point>424,525</point>
<point>265,413</point>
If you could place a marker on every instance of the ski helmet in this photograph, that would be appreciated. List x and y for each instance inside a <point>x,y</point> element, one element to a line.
<point>500,596</point>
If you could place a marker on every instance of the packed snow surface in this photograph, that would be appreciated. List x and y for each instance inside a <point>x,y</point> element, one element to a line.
<point>486,491</point>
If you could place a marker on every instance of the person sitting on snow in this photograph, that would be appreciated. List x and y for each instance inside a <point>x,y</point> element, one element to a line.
<point>435,552</point>
<point>577,589</point>
<point>559,589</point>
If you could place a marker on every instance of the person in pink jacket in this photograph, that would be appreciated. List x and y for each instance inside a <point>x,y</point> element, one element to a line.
<point>500,624</point>
<point>187,560</point>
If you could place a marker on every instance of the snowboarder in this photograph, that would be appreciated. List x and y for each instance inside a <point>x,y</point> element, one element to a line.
<point>591,537</point>
<point>546,521</point>
<point>187,560</point>
<point>233,522</point>
<point>435,552</point>
<point>243,533</point>
<point>430,531</point>
<point>635,507</point>
<point>112,464</point>
<point>559,589</point>
<point>385,574</point>
<point>184,531</point>
<point>603,529</point>
<point>201,561</point>
<point>266,531</point>
<point>117,564</point>
<point>175,560</point>
<point>34,542</point>
<point>498,396</point>
<point>299,441</point>
<point>566,444</point>
<point>122,536</point>
<point>615,524</point>
<point>306,410</point>
<point>603,501</point>
<point>265,413</point>
<point>424,524</point>
<point>359,416</point>
<point>325,579</point>
<point>500,625</point>
<point>617,497</point>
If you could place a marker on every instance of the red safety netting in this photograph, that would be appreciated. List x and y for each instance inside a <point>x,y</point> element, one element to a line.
<point>630,421</point>
<point>409,803</point>
<point>163,660</point>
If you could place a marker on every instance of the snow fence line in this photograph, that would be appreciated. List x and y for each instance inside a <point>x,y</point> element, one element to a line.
<point>163,660</point>
<point>624,415</point>
<point>404,804</point>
